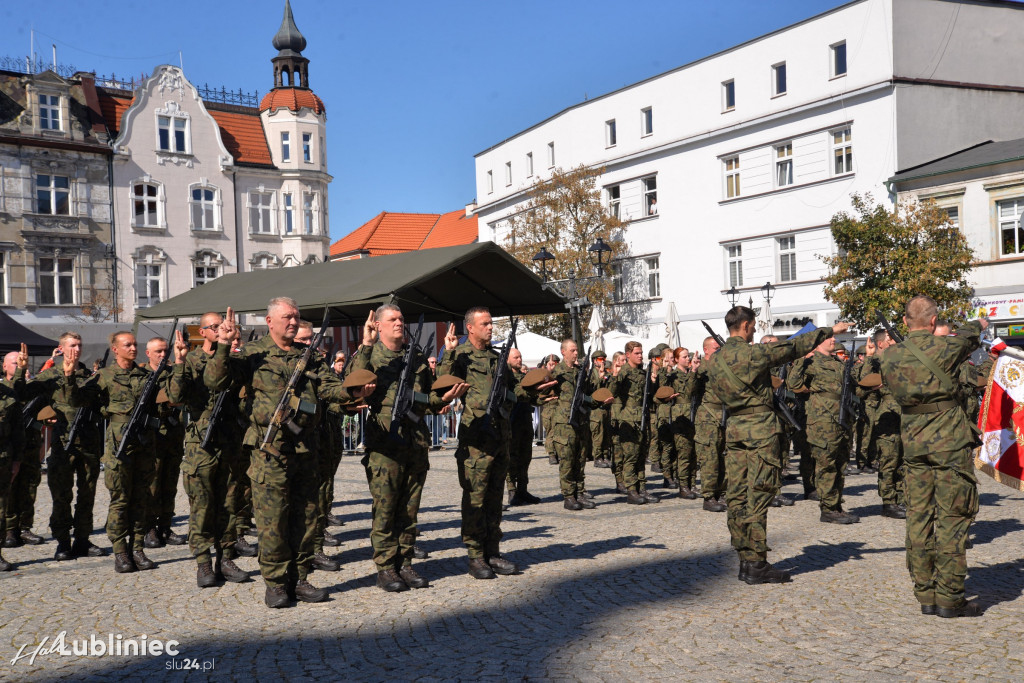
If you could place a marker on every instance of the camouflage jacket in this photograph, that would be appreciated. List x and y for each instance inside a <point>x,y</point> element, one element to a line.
<point>522,413</point>
<point>187,386</point>
<point>52,384</point>
<point>662,412</point>
<point>913,384</point>
<point>476,367</point>
<point>12,434</point>
<point>387,365</point>
<point>598,380</point>
<point>967,376</point>
<point>628,389</point>
<point>741,375</point>
<point>263,369</point>
<point>884,410</point>
<point>823,376</point>
<point>565,375</point>
<point>709,408</point>
<point>684,384</point>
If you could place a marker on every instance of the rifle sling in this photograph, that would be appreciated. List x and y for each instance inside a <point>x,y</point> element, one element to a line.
<point>944,379</point>
<point>732,375</point>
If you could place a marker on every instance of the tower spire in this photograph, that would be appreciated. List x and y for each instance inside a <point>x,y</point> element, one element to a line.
<point>288,40</point>
<point>291,69</point>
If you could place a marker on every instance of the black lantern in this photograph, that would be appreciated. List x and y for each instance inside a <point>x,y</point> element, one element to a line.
<point>544,256</point>
<point>734,295</point>
<point>599,255</point>
<point>767,290</point>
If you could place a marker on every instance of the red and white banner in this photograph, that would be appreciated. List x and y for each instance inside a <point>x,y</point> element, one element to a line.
<point>1001,454</point>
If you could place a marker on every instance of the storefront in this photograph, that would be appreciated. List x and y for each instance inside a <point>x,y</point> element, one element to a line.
<point>1006,313</point>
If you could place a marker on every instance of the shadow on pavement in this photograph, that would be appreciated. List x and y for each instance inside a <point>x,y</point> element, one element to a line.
<point>988,530</point>
<point>1003,582</point>
<point>825,555</point>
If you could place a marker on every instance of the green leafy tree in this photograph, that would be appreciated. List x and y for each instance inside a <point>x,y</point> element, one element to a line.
<point>886,257</point>
<point>565,215</point>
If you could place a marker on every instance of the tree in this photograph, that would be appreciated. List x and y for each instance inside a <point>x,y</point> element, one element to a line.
<point>886,257</point>
<point>565,215</point>
<point>97,307</point>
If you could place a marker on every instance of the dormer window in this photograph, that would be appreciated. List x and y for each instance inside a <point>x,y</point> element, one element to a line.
<point>49,112</point>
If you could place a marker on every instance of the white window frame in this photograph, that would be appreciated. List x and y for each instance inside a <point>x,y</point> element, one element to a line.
<point>52,192</point>
<point>50,107</point>
<point>508,174</point>
<point>731,171</point>
<point>307,148</point>
<point>150,259</point>
<point>214,207</point>
<point>784,175</point>
<point>551,154</point>
<point>726,86</point>
<point>57,274</point>
<point>288,207</point>
<point>841,142</point>
<point>952,215</point>
<point>786,248</point>
<point>490,182</point>
<point>269,209</point>
<point>208,261</point>
<point>649,186</point>
<point>833,54</point>
<point>652,264</point>
<point>614,193</point>
<point>777,69</point>
<point>157,200</point>
<point>734,265</point>
<point>286,146</point>
<point>611,137</point>
<point>529,164</point>
<point>1010,221</point>
<point>646,121</point>
<point>264,260</point>
<point>310,213</point>
<point>172,127</point>
<point>5,277</point>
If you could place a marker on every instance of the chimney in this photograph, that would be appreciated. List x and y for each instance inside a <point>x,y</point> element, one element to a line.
<point>470,209</point>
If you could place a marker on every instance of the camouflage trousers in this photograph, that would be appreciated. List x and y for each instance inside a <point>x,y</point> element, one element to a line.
<point>942,498</point>
<point>685,470</point>
<point>633,475</point>
<point>164,488</point>
<point>600,437</point>
<point>130,485</point>
<point>655,444</point>
<point>243,513</point>
<point>285,493</point>
<point>327,462</point>
<point>616,454</point>
<point>211,482</point>
<point>482,467</point>
<point>396,488</point>
<point>891,471</point>
<point>754,474</point>
<point>21,503</point>
<point>571,465</point>
<point>5,491</point>
<point>520,456</point>
<point>830,472</point>
<point>806,462</point>
<point>64,473</point>
<point>710,444</point>
<point>547,416</point>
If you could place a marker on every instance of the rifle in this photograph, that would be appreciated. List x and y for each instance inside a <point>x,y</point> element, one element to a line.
<point>576,407</point>
<point>893,334</point>
<point>28,413</point>
<point>644,406</point>
<point>291,401</point>
<point>698,396</point>
<point>721,342</point>
<point>83,414</point>
<point>846,405</point>
<point>140,417</point>
<point>779,400</point>
<point>499,385</point>
<point>404,399</point>
<point>218,408</point>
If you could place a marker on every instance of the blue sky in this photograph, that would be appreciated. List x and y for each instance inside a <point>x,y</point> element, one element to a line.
<point>413,89</point>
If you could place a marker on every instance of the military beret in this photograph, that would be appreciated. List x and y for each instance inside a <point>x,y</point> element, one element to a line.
<point>358,378</point>
<point>445,382</point>
<point>535,378</point>
<point>663,393</point>
<point>776,382</point>
<point>982,382</point>
<point>861,350</point>
<point>870,381</point>
<point>47,413</point>
<point>602,395</point>
<point>598,354</point>
<point>653,353</point>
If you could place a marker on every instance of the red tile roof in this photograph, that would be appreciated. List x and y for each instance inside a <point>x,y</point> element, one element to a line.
<point>244,137</point>
<point>393,233</point>
<point>113,104</point>
<point>292,98</point>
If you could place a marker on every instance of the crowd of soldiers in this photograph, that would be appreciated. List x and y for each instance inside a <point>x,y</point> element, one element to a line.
<point>255,430</point>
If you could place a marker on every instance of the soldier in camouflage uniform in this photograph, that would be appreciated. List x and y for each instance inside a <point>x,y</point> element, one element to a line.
<point>70,463</point>
<point>396,455</point>
<point>830,441</point>
<point>628,387</point>
<point>741,375</point>
<point>662,417</point>
<point>170,445</point>
<point>869,400</point>
<point>285,478</point>
<point>885,436</point>
<point>210,475</point>
<point>966,377</point>
<point>21,499</point>
<point>482,455</point>
<point>600,429</point>
<point>942,491</point>
<point>709,436</point>
<point>618,360</point>
<point>547,413</point>
<point>684,386</point>
<point>521,446</point>
<point>12,437</point>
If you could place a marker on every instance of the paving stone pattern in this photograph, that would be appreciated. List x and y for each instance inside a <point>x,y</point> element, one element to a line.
<point>612,594</point>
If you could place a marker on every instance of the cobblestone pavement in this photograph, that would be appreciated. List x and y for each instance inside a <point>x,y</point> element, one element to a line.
<point>616,593</point>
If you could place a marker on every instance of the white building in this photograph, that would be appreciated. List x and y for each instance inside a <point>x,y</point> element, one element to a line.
<point>748,153</point>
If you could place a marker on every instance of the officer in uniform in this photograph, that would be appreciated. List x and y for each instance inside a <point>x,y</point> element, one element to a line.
<point>885,434</point>
<point>21,500</point>
<point>618,360</point>
<point>942,491</point>
<point>600,428</point>
<point>521,447</point>
<point>547,413</point>
<point>170,444</point>
<point>709,436</point>
<point>741,375</point>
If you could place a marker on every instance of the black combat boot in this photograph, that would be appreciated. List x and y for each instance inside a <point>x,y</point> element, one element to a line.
<point>123,563</point>
<point>172,538</point>
<point>153,539</point>
<point>389,581</point>
<point>894,511</point>
<point>13,540</point>
<point>502,566</point>
<point>411,578</point>
<point>929,610</point>
<point>64,551</point>
<point>205,578</point>
<point>687,493</point>
<point>324,563</point>
<point>966,609</point>
<point>307,592</point>
<point>331,541</point>
<point>586,503</point>
<point>419,553</point>
<point>584,494</point>
<point>232,572</point>
<point>85,548</point>
<point>744,568</point>
<point>650,497</point>
<point>572,504</point>
<point>763,572</point>
<point>334,520</point>
<point>143,562</point>
<point>276,597</point>
<point>5,566</point>
<point>712,505</point>
<point>635,498</point>
<point>31,538</point>
<point>246,549</point>
<point>479,569</point>
<point>838,517</point>
<point>528,497</point>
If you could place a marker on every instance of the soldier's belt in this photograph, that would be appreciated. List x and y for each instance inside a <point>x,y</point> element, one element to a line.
<point>750,410</point>
<point>926,408</point>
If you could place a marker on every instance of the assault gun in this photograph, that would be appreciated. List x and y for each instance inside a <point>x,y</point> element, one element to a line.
<point>291,402</point>
<point>893,334</point>
<point>847,408</point>
<point>721,342</point>
<point>779,400</point>
<point>404,398</point>
<point>140,418</point>
<point>218,409</point>
<point>698,396</point>
<point>28,413</point>
<point>83,414</point>
<point>499,385</point>
<point>646,403</point>
<point>576,407</point>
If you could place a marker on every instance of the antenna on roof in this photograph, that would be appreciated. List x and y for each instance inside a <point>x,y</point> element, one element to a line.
<point>181,64</point>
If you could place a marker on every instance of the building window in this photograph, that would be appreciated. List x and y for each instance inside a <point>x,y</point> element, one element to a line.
<point>953,216</point>
<point>650,185</point>
<point>49,112</point>
<point>646,121</point>
<point>732,177</point>
<point>490,182</point>
<point>729,95</point>
<point>609,133</point>
<point>204,274</point>
<point>4,279</point>
<point>778,79</point>
<point>263,261</point>
<point>286,147</point>
<point>842,151</point>
<point>529,164</point>
<point>52,195</point>
<point>1010,231</point>
<point>615,201</point>
<point>653,277</point>
<point>307,147</point>
<point>203,208</point>
<point>784,165</point>
<point>261,214</point>
<point>289,214</point>
<point>145,205</point>
<point>149,284</point>
<point>173,134</point>
<point>735,257</point>
<point>323,153</point>
<point>56,281</point>
<point>617,291</point>
<point>508,173</point>
<point>551,155</point>
<point>308,216</point>
<point>838,59</point>
<point>787,258</point>
<point>205,267</point>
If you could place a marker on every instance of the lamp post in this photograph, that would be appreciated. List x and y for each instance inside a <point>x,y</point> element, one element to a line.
<point>734,295</point>
<point>767,290</point>
<point>599,253</point>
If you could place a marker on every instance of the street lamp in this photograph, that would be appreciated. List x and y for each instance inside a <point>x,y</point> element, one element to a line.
<point>543,256</point>
<point>767,290</point>
<point>599,253</point>
<point>734,295</point>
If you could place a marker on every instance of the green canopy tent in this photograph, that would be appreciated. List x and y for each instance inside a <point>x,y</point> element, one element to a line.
<point>440,283</point>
